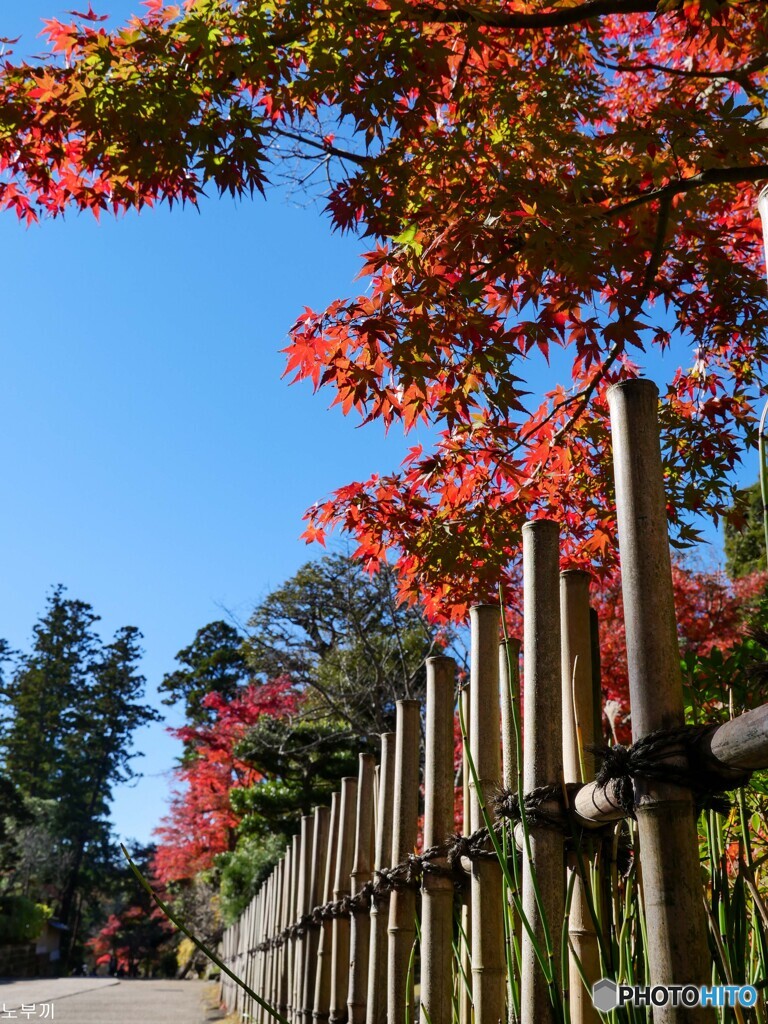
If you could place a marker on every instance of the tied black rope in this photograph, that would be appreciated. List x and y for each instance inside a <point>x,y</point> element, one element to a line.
<point>545,807</point>
<point>650,758</point>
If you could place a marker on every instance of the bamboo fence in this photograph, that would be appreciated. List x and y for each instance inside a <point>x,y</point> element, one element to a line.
<point>361,922</point>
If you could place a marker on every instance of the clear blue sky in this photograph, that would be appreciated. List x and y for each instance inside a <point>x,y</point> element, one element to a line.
<point>153,460</point>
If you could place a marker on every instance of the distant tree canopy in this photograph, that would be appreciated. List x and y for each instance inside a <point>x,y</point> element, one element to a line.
<point>68,711</point>
<point>213,663</point>
<point>744,536</point>
<point>339,631</point>
<point>278,714</point>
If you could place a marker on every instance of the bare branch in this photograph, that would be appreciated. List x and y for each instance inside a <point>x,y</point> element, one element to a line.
<point>325,147</point>
<point>555,17</point>
<point>738,74</point>
<point>712,176</point>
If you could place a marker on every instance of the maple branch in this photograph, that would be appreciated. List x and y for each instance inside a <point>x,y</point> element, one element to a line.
<point>554,18</point>
<point>734,74</point>
<point>583,397</point>
<point>326,147</point>
<point>712,176</point>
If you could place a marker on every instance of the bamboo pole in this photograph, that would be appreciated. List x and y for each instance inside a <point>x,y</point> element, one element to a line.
<point>742,743</point>
<point>509,689</point>
<point>675,923</point>
<point>258,972</point>
<point>285,920</point>
<point>258,960</point>
<point>437,889</point>
<point>578,766</point>
<point>341,888</point>
<point>509,686</point>
<point>293,903</point>
<point>597,690</point>
<point>542,766</point>
<point>271,991</point>
<point>268,953</point>
<point>488,966</point>
<point>304,907</point>
<point>277,927</point>
<point>362,873</point>
<point>402,904</point>
<point>465,943</point>
<point>249,973</point>
<point>271,983</point>
<point>320,834</point>
<point>376,1011</point>
<point>226,985</point>
<point>322,1002</point>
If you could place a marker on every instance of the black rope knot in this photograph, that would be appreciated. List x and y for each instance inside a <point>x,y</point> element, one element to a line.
<point>675,756</point>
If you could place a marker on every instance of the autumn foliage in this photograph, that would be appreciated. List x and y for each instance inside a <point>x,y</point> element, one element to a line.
<point>568,181</point>
<point>712,612</point>
<point>202,823</point>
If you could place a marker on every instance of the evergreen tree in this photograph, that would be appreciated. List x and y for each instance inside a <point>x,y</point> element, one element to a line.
<point>68,713</point>
<point>98,750</point>
<point>213,663</point>
<point>41,697</point>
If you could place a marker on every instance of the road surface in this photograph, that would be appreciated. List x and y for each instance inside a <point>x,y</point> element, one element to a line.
<point>107,1001</point>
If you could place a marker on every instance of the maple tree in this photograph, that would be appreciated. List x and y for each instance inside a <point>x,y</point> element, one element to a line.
<point>573,178</point>
<point>202,821</point>
<point>714,615</point>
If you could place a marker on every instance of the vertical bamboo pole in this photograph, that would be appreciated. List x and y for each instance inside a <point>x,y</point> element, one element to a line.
<point>488,966</point>
<point>305,885</point>
<point>258,957</point>
<point>234,964</point>
<point>277,916</point>
<point>542,763</point>
<point>272,928</point>
<point>509,689</point>
<point>285,915</point>
<point>320,833</point>
<point>672,894</point>
<point>376,1011</point>
<point>247,973</point>
<point>437,889</point>
<point>324,947</point>
<point>268,956</point>
<point>293,898</point>
<point>362,873</point>
<point>402,904</point>
<point>305,882</point>
<point>258,960</point>
<point>465,945</point>
<point>578,766</point>
<point>226,954</point>
<point>509,658</point>
<point>341,887</point>
<point>597,692</point>
<point>275,911</point>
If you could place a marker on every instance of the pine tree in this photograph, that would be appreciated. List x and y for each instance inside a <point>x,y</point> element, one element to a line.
<point>68,713</point>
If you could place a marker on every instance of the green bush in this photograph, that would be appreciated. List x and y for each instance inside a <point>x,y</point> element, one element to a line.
<point>21,920</point>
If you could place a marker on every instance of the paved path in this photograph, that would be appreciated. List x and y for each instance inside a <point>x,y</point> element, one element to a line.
<point>107,1001</point>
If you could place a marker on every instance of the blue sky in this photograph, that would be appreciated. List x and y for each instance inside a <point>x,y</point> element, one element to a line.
<point>154,462</point>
